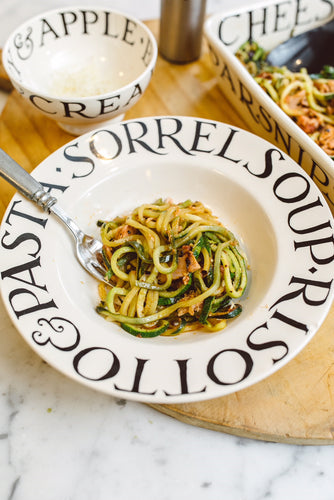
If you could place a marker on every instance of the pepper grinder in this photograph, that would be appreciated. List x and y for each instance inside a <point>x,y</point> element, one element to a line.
<point>181,26</point>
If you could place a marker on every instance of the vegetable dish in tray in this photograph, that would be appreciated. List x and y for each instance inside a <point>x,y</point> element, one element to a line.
<point>307,98</point>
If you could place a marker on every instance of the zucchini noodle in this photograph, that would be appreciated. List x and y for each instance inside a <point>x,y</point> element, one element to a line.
<point>171,268</point>
<point>307,99</point>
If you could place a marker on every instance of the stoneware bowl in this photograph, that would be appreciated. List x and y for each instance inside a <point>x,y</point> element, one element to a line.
<point>269,23</point>
<point>256,190</point>
<point>81,66</point>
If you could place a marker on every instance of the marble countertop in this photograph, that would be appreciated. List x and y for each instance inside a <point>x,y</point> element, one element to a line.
<point>62,441</point>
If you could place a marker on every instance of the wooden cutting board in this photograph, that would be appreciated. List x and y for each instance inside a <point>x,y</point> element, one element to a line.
<point>295,405</point>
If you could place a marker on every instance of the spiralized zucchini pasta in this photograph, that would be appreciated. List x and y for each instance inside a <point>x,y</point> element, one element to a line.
<point>307,98</point>
<point>172,268</point>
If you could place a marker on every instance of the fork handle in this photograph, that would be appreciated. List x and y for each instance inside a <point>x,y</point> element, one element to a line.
<point>25,183</point>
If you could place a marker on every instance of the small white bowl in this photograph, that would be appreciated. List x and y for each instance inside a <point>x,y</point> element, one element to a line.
<point>269,23</point>
<point>81,66</point>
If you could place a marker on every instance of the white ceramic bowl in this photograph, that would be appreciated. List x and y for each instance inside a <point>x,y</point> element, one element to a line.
<point>81,66</point>
<point>256,190</point>
<point>269,23</point>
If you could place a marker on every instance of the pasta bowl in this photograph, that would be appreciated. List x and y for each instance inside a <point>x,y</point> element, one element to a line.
<point>268,23</point>
<point>281,219</point>
<point>81,66</point>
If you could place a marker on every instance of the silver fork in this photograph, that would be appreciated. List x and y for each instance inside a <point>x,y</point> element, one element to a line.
<point>87,248</point>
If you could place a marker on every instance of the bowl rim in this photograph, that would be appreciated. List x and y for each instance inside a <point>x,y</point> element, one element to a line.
<point>31,89</point>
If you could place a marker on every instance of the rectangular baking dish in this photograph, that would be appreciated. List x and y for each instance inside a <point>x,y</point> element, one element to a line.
<point>269,23</point>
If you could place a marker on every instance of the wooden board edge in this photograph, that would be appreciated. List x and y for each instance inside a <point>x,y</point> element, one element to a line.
<point>5,83</point>
<point>204,423</point>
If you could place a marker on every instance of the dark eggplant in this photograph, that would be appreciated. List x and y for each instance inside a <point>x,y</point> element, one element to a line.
<point>312,50</point>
